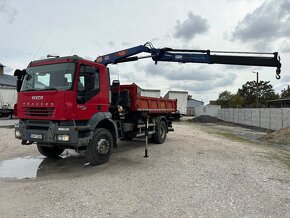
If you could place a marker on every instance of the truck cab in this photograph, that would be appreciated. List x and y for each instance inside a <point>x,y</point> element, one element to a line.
<point>60,102</point>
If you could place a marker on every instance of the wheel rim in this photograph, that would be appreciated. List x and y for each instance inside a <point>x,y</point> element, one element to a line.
<point>103,146</point>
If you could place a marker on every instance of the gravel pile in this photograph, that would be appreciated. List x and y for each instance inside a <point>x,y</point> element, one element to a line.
<point>281,136</point>
<point>206,119</point>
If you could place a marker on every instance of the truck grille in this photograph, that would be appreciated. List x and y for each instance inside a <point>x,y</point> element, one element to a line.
<point>38,111</point>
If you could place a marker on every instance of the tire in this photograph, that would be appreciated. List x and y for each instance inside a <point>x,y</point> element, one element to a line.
<point>159,136</point>
<point>99,149</point>
<point>53,152</point>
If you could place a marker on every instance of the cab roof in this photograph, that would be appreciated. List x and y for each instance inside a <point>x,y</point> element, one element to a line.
<point>55,60</point>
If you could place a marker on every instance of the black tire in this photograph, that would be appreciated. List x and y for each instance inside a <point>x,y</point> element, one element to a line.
<point>159,136</point>
<point>99,149</point>
<point>51,152</point>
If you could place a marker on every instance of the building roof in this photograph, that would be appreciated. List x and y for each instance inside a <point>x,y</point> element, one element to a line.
<point>8,80</point>
<point>151,90</point>
<point>184,92</point>
<point>192,102</point>
<point>1,65</point>
<point>279,100</point>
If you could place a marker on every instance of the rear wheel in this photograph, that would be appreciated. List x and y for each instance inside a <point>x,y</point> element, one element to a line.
<point>52,152</point>
<point>160,133</point>
<point>100,147</point>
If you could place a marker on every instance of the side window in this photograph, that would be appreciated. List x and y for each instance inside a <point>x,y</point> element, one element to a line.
<point>88,83</point>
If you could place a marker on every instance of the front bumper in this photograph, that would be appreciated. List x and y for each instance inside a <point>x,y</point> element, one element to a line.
<point>50,132</point>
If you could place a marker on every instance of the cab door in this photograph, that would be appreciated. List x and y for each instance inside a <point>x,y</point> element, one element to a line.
<point>91,92</point>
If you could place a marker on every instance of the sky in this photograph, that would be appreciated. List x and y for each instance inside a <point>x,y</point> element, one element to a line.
<point>32,29</point>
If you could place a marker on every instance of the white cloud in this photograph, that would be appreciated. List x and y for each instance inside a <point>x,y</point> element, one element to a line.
<point>7,11</point>
<point>191,27</point>
<point>265,24</point>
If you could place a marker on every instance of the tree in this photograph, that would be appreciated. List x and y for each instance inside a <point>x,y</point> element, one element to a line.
<point>236,101</point>
<point>189,97</point>
<point>285,92</point>
<point>224,99</point>
<point>227,99</point>
<point>249,93</point>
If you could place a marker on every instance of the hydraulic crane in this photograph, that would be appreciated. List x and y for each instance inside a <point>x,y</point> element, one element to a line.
<point>193,56</point>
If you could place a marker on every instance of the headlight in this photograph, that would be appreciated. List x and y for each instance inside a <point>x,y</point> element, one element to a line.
<point>63,138</point>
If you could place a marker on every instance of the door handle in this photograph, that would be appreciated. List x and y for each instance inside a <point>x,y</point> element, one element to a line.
<point>99,107</point>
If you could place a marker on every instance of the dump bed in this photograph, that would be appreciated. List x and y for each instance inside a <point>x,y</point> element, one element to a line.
<point>130,95</point>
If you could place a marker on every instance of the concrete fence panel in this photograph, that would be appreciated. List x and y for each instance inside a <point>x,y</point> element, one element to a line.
<point>275,118</point>
<point>286,117</point>
<point>268,118</point>
<point>241,116</point>
<point>265,118</point>
<point>248,116</point>
<point>231,115</point>
<point>256,117</point>
<point>236,115</point>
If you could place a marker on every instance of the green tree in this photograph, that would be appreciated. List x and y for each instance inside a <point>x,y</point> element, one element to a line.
<point>249,93</point>
<point>285,92</point>
<point>236,101</point>
<point>224,99</point>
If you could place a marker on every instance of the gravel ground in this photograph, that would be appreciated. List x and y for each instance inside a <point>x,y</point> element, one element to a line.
<point>195,173</point>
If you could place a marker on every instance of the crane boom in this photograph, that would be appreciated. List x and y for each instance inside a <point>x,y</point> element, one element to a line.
<point>193,56</point>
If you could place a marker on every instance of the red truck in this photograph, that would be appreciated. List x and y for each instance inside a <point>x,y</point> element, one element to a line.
<point>70,103</point>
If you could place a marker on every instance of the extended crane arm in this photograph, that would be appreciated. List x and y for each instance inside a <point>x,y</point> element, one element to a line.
<point>194,56</point>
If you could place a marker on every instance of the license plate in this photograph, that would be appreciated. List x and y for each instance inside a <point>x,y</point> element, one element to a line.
<point>35,136</point>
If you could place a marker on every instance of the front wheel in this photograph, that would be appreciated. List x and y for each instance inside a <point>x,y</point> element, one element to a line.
<point>52,152</point>
<point>100,147</point>
<point>160,133</point>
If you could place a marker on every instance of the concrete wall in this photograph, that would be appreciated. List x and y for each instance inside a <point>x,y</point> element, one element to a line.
<point>268,118</point>
<point>211,110</point>
<point>181,97</point>
<point>8,96</point>
<point>150,93</point>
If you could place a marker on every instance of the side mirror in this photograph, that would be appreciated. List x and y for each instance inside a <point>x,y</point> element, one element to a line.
<point>18,73</point>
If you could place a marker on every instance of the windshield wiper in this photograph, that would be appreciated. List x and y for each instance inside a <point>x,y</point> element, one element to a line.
<point>48,89</point>
<point>29,90</point>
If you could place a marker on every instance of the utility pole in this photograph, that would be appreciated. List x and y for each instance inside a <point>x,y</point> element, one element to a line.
<point>257,89</point>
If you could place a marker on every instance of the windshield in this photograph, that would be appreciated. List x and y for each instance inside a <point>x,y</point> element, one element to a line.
<point>49,77</point>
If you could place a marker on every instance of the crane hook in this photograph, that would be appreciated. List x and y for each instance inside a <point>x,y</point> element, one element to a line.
<point>278,71</point>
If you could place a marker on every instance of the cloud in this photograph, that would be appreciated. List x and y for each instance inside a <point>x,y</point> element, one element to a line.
<point>205,86</point>
<point>7,11</point>
<point>183,72</point>
<point>187,72</point>
<point>285,46</point>
<point>189,28</point>
<point>186,77</point>
<point>286,79</point>
<point>265,24</point>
